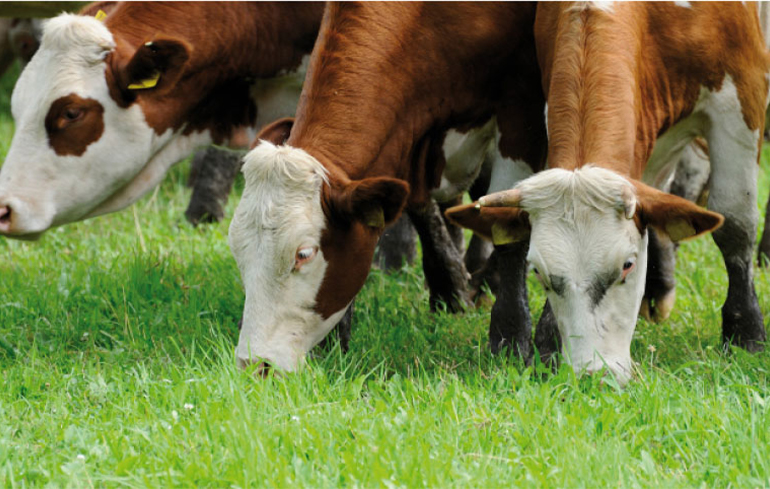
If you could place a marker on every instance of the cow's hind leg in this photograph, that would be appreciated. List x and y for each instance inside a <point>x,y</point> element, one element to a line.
<point>734,150</point>
<point>442,263</point>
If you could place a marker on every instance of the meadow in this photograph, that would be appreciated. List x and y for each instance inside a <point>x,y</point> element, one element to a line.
<point>116,351</point>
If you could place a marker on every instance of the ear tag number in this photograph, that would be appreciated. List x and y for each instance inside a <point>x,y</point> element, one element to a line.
<point>146,83</point>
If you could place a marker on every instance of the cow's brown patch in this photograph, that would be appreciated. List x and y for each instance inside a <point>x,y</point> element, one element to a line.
<point>207,87</point>
<point>73,123</point>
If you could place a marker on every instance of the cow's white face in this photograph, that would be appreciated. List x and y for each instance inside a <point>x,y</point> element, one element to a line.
<point>275,237</point>
<point>74,147</point>
<point>304,244</point>
<point>591,258</point>
<point>588,247</point>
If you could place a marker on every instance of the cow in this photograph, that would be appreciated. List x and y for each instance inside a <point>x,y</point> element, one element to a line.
<point>107,106</point>
<point>628,85</point>
<point>384,85</point>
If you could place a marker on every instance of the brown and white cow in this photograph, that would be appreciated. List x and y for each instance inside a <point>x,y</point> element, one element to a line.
<point>628,86</point>
<point>105,108</point>
<point>385,82</point>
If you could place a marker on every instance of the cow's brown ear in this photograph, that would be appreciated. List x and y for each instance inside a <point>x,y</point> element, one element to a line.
<point>501,225</point>
<point>276,132</point>
<point>376,202</point>
<point>675,216</point>
<point>156,65</point>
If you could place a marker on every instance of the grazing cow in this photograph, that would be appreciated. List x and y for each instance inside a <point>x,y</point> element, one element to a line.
<point>628,85</point>
<point>106,107</point>
<point>385,83</point>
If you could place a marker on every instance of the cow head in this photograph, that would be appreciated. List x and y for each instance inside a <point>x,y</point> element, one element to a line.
<point>303,236</point>
<point>80,140</point>
<point>588,248</point>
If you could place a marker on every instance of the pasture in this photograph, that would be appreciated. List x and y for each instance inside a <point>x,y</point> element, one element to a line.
<point>116,350</point>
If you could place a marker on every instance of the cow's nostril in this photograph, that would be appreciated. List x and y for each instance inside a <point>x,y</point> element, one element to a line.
<point>262,370</point>
<point>5,217</point>
<point>259,368</point>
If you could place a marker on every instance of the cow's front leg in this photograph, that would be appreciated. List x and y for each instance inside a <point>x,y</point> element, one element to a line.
<point>211,177</point>
<point>547,339</point>
<point>763,253</point>
<point>341,332</point>
<point>660,288</point>
<point>442,263</point>
<point>511,326</point>
<point>734,195</point>
<point>397,244</point>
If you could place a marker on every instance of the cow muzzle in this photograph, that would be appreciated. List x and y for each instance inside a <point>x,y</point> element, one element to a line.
<point>16,221</point>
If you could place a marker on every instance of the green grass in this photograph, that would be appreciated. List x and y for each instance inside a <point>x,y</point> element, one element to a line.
<point>117,370</point>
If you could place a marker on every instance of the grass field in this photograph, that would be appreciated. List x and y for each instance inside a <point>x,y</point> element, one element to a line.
<point>116,351</point>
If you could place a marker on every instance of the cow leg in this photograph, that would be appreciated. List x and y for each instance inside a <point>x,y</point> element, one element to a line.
<point>455,232</point>
<point>212,175</point>
<point>341,332</point>
<point>547,339</point>
<point>510,325</point>
<point>397,243</point>
<point>734,195</point>
<point>443,266</point>
<point>479,251</point>
<point>763,253</point>
<point>660,288</point>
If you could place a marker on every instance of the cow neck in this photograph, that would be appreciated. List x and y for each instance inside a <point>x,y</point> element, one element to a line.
<point>617,80</point>
<point>230,48</point>
<point>384,81</point>
<point>591,90</point>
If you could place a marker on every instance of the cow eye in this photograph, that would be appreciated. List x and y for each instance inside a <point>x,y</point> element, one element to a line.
<point>72,114</point>
<point>304,254</point>
<point>628,267</point>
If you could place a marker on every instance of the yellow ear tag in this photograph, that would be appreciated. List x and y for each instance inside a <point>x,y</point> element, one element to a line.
<point>146,83</point>
<point>375,218</point>
<point>100,16</point>
<point>679,230</point>
<point>501,235</point>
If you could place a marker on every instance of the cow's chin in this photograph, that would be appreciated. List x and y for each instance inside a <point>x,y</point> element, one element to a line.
<point>29,236</point>
<point>286,352</point>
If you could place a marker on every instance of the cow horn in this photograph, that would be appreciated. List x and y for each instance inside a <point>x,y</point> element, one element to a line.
<point>506,198</point>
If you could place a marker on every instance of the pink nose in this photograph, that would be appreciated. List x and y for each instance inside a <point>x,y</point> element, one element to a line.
<point>5,219</point>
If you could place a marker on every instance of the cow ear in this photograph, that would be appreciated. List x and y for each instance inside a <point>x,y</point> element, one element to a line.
<point>157,65</point>
<point>501,225</point>
<point>276,132</point>
<point>675,216</point>
<point>375,202</point>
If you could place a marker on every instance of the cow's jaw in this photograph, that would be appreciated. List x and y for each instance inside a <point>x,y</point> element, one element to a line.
<point>279,214</point>
<point>579,252</point>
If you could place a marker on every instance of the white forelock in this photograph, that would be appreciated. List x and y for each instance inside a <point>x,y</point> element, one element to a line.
<point>280,177</point>
<point>77,36</point>
<point>558,189</point>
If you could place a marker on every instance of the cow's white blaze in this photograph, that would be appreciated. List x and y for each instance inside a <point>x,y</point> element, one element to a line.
<point>591,259</point>
<point>280,214</point>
